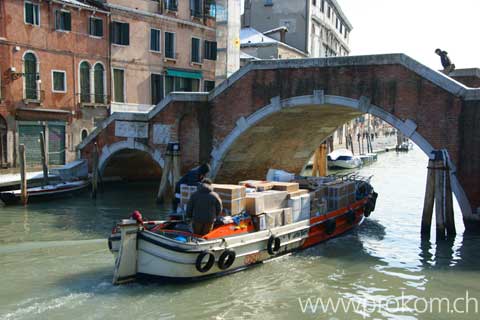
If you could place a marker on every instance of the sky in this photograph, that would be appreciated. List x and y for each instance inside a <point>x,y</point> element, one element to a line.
<point>416,28</point>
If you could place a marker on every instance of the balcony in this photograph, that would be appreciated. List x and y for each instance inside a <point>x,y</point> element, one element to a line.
<point>33,95</point>
<point>93,100</point>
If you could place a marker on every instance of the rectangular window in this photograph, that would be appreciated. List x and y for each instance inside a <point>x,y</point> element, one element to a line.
<point>210,50</point>
<point>59,81</point>
<point>96,27</point>
<point>157,88</point>
<point>322,6</point>
<point>336,23</point>
<point>341,28</point>
<point>63,20</point>
<point>196,55</point>
<point>196,8</point>
<point>32,13</point>
<point>208,85</point>
<point>155,40</point>
<point>171,5</point>
<point>210,8</point>
<point>170,45</point>
<point>329,12</point>
<point>120,33</point>
<point>314,2</point>
<point>118,85</point>
<point>179,84</point>
<point>268,3</point>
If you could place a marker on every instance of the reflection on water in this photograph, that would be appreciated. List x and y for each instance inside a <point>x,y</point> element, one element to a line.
<point>55,263</point>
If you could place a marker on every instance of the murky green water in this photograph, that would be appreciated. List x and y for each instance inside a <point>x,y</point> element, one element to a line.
<point>54,263</point>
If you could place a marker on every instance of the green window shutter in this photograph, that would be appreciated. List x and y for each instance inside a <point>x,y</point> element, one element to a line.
<point>36,9</point>
<point>157,88</point>
<point>99,27</point>
<point>29,13</point>
<point>84,82</point>
<point>195,50</point>
<point>118,85</point>
<point>58,81</point>
<point>68,21</point>
<point>30,65</point>
<point>57,20</point>
<point>98,83</point>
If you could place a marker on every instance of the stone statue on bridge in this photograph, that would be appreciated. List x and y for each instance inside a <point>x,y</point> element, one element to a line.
<point>447,64</point>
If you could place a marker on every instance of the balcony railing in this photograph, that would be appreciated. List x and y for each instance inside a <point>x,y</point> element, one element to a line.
<point>34,95</point>
<point>93,99</point>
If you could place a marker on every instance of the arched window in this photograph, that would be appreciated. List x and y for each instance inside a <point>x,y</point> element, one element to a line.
<point>84,82</point>
<point>99,74</point>
<point>84,134</point>
<point>31,72</point>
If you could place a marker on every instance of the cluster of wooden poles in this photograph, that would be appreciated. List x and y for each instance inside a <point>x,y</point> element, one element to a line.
<point>439,193</point>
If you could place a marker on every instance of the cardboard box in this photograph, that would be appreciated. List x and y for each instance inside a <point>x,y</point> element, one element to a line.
<point>259,222</point>
<point>305,200</point>
<point>295,204</point>
<point>287,216</point>
<point>259,202</point>
<point>286,186</point>
<point>297,193</point>
<point>257,184</point>
<point>274,218</point>
<point>229,191</point>
<point>234,207</point>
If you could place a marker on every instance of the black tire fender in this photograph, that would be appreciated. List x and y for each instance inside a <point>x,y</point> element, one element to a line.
<point>227,258</point>
<point>208,265</point>
<point>330,226</point>
<point>273,245</point>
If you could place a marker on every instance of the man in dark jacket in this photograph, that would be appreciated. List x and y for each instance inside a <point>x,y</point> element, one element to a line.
<point>447,64</point>
<point>203,208</point>
<point>192,178</point>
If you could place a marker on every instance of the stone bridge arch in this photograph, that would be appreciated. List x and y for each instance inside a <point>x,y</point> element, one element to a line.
<point>108,152</point>
<point>226,153</point>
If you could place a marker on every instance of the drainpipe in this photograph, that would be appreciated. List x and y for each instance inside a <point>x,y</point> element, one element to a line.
<point>308,20</point>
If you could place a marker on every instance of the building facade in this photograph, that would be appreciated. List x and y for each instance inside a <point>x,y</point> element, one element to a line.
<point>158,47</point>
<point>263,46</point>
<point>66,65</point>
<point>316,27</point>
<point>54,76</point>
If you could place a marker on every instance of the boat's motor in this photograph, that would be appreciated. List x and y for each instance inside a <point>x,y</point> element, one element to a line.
<point>126,262</point>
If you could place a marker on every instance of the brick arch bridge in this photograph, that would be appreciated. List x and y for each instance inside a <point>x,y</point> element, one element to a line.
<point>275,113</point>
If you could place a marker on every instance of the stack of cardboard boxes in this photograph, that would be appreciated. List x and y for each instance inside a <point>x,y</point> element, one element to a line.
<point>275,204</point>
<point>233,198</point>
<point>340,194</point>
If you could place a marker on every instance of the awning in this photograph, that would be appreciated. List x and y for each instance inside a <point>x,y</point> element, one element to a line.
<point>184,74</point>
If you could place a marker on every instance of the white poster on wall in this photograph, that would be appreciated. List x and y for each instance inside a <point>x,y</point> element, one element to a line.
<point>161,133</point>
<point>131,129</point>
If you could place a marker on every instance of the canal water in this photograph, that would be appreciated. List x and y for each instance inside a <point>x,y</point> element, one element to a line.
<point>54,264</point>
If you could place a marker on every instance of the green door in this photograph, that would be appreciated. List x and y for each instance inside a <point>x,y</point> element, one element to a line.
<point>56,144</point>
<point>29,135</point>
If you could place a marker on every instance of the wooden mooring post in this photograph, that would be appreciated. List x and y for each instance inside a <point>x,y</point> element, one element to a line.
<point>319,167</point>
<point>23,174</point>
<point>171,172</point>
<point>95,171</point>
<point>439,193</point>
<point>43,149</point>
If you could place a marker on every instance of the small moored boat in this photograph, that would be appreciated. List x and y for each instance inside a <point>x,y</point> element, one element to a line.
<point>50,191</point>
<point>167,250</point>
<point>343,158</point>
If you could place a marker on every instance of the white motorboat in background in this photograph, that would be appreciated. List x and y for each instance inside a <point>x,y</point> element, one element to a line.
<point>343,158</point>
